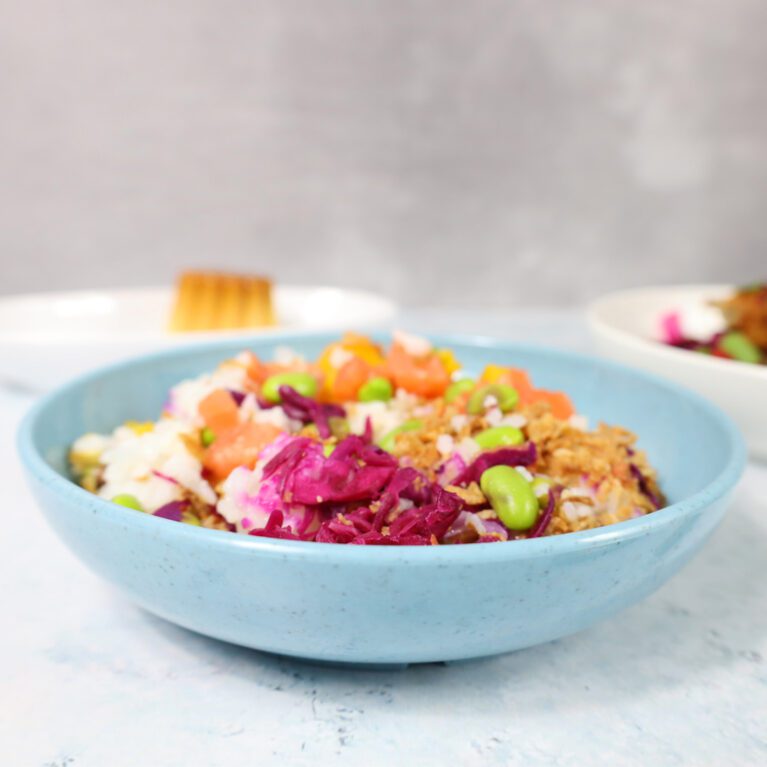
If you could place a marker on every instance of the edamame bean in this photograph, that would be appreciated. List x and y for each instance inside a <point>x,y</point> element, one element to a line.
<point>740,347</point>
<point>207,437</point>
<point>506,396</point>
<point>511,497</point>
<point>377,389</point>
<point>128,500</point>
<point>499,436</point>
<point>457,388</point>
<point>304,383</point>
<point>389,441</point>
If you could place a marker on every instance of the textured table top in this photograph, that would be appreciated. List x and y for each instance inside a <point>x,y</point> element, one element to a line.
<point>89,680</point>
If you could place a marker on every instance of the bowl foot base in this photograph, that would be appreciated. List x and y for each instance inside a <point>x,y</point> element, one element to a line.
<point>345,665</point>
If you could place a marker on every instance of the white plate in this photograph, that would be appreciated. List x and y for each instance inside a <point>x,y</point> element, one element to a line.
<point>627,327</point>
<point>48,337</point>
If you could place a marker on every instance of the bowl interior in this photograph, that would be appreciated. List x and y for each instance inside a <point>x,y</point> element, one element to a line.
<point>689,441</point>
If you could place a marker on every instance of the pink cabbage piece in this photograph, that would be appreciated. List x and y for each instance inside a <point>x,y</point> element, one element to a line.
<point>504,456</point>
<point>269,496</point>
<point>671,326</point>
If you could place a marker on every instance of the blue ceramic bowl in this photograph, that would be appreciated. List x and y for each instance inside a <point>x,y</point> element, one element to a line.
<point>381,605</point>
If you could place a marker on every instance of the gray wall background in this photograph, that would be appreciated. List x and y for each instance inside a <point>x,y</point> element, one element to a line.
<point>446,152</point>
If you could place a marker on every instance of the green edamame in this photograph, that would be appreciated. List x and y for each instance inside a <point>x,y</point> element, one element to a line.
<point>499,436</point>
<point>506,396</point>
<point>511,497</point>
<point>127,500</point>
<point>740,347</point>
<point>304,383</point>
<point>207,437</point>
<point>377,389</point>
<point>457,388</point>
<point>389,441</point>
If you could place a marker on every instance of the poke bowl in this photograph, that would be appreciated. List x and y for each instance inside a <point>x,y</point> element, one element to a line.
<point>391,604</point>
<point>632,327</point>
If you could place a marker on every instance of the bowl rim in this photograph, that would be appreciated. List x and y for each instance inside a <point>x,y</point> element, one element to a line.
<point>721,484</point>
<point>601,326</point>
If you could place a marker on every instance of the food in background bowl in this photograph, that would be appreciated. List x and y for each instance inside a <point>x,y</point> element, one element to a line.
<point>626,326</point>
<point>741,332</point>
<point>371,446</point>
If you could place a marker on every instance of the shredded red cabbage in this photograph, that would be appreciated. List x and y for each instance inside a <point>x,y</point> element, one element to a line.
<point>173,510</point>
<point>237,396</point>
<point>354,471</point>
<point>504,456</point>
<point>166,477</point>
<point>644,486</point>
<point>276,532</point>
<point>359,488</point>
<point>307,410</point>
<point>539,528</point>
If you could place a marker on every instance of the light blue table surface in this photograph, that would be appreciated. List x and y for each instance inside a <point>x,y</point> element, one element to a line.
<point>89,680</point>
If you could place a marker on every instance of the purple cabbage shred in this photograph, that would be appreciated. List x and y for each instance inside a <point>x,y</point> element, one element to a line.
<point>173,510</point>
<point>364,496</point>
<point>237,396</point>
<point>539,528</point>
<point>307,410</point>
<point>525,455</point>
<point>644,486</point>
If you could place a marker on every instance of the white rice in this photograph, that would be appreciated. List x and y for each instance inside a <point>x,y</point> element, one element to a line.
<point>458,422</point>
<point>468,449</point>
<point>514,419</point>
<point>494,416</point>
<point>130,460</point>
<point>579,422</point>
<point>525,473</point>
<point>445,445</point>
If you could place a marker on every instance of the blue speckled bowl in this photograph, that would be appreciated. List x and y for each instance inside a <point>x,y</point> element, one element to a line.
<point>380,605</point>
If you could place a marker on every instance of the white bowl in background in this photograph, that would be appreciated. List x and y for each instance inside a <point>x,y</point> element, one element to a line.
<point>626,326</point>
<point>46,338</point>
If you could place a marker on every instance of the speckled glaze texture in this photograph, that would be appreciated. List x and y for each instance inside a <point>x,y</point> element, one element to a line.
<point>390,605</point>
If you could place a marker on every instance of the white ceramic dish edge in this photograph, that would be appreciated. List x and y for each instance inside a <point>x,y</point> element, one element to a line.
<point>623,325</point>
<point>46,338</point>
